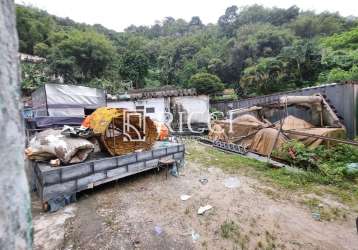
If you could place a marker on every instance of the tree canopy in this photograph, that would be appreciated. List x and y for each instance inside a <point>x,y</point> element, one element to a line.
<point>81,56</point>
<point>206,83</point>
<point>253,49</point>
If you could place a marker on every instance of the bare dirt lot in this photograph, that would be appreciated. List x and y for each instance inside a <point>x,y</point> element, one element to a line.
<point>145,212</point>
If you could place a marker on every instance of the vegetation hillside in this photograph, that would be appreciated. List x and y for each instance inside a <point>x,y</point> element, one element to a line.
<point>255,50</point>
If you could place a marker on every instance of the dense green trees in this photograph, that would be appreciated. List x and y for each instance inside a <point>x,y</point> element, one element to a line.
<point>81,56</point>
<point>206,83</point>
<point>264,77</point>
<point>134,63</point>
<point>309,25</point>
<point>253,49</point>
<point>340,56</point>
<point>33,76</point>
<point>34,26</point>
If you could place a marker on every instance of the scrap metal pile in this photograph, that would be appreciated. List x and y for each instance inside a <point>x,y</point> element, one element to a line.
<point>117,131</point>
<point>266,127</point>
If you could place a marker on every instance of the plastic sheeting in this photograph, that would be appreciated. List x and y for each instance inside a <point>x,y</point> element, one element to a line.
<point>162,130</point>
<point>293,123</point>
<point>66,100</point>
<point>57,203</point>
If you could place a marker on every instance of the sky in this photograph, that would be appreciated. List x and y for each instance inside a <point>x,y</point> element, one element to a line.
<point>119,14</point>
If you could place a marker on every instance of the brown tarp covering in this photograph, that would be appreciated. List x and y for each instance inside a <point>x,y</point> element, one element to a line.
<point>264,140</point>
<point>241,126</point>
<point>262,136</point>
<point>292,122</point>
<point>248,119</point>
<point>217,133</point>
<point>315,142</point>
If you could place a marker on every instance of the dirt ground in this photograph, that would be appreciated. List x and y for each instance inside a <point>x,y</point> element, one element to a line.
<point>145,212</point>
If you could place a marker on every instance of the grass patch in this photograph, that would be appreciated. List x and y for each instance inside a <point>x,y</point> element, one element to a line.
<point>293,179</point>
<point>109,221</point>
<point>326,213</point>
<point>187,211</point>
<point>272,193</point>
<point>270,240</point>
<point>231,230</point>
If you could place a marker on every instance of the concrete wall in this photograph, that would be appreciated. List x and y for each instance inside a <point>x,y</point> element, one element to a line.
<point>342,96</point>
<point>15,213</point>
<point>159,105</point>
<point>195,106</point>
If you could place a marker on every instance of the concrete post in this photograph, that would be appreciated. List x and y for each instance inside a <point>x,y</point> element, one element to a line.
<point>15,213</point>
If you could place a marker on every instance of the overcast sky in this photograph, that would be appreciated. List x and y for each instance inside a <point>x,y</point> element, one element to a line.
<point>119,14</point>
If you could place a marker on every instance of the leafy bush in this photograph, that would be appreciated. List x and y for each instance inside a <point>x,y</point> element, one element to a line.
<point>216,114</point>
<point>33,75</point>
<point>41,49</point>
<point>338,153</point>
<point>206,83</point>
<point>338,74</point>
<point>335,172</point>
<point>330,162</point>
<point>344,40</point>
<point>297,154</point>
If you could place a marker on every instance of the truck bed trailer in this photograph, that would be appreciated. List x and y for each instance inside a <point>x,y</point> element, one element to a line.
<point>59,183</point>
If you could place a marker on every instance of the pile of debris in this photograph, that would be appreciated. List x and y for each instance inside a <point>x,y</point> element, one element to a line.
<point>266,127</point>
<point>114,131</point>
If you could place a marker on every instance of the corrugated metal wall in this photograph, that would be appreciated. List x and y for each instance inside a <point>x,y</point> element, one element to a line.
<point>341,96</point>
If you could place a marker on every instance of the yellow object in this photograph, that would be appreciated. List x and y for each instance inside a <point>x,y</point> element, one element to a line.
<point>102,117</point>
